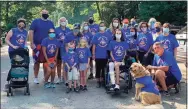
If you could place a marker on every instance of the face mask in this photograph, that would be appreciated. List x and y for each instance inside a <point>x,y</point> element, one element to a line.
<point>91,21</point>
<point>71,49</point>
<point>76,31</point>
<point>132,33</point>
<point>125,25</point>
<point>86,27</point>
<point>45,16</point>
<point>118,36</point>
<point>144,29</point>
<point>115,24</point>
<point>165,30</point>
<point>52,35</point>
<point>102,28</point>
<point>63,23</point>
<point>157,29</point>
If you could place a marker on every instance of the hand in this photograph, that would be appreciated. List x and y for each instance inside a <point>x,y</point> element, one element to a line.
<point>15,47</point>
<point>150,67</point>
<point>32,46</point>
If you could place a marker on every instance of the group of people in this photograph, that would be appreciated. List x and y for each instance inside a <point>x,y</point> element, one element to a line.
<point>71,52</point>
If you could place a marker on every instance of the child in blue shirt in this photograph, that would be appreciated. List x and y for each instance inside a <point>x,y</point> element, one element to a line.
<point>71,62</point>
<point>84,55</point>
<point>50,48</point>
<point>117,49</point>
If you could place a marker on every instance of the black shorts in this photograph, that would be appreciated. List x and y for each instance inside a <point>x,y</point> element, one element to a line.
<point>170,79</point>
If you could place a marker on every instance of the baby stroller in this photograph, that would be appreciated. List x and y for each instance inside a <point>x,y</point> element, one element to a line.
<point>125,75</point>
<point>19,72</point>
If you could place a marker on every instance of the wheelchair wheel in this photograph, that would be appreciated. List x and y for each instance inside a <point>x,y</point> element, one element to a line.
<point>129,81</point>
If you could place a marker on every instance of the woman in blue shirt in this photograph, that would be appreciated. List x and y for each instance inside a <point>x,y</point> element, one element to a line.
<point>16,37</point>
<point>100,43</point>
<point>117,49</point>
<point>113,26</point>
<point>145,42</point>
<point>168,40</point>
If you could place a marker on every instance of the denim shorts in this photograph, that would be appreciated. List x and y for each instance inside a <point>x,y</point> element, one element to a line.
<point>82,66</point>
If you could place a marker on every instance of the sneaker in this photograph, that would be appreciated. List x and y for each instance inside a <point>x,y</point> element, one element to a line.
<point>85,87</point>
<point>116,87</point>
<point>36,81</point>
<point>52,85</point>
<point>69,90</point>
<point>76,90</point>
<point>58,81</point>
<point>166,93</point>
<point>46,85</point>
<point>112,87</point>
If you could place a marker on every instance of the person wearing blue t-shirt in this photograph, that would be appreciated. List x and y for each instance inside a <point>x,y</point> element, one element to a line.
<point>86,33</point>
<point>133,43</point>
<point>117,49</point>
<point>71,61</point>
<point>16,37</point>
<point>94,28</point>
<point>168,40</point>
<point>61,31</point>
<point>38,31</point>
<point>145,42</point>
<point>167,72</point>
<point>84,55</point>
<point>151,25</point>
<point>100,43</point>
<point>50,48</point>
<point>115,24</point>
<point>74,35</point>
<point>125,29</point>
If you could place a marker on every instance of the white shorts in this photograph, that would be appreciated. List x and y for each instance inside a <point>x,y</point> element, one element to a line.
<point>73,74</point>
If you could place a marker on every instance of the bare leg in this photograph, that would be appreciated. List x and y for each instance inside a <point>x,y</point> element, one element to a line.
<point>36,69</point>
<point>117,72</point>
<point>160,76</point>
<point>44,69</point>
<point>75,83</point>
<point>59,69</point>
<point>48,74</point>
<point>53,75</point>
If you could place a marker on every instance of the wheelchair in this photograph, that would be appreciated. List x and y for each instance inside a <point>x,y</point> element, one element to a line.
<point>125,76</point>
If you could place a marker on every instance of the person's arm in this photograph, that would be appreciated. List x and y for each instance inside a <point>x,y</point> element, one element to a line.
<point>7,39</point>
<point>56,54</point>
<point>175,52</point>
<point>163,68</point>
<point>111,54</point>
<point>45,55</point>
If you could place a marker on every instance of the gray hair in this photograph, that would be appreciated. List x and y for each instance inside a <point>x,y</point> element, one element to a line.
<point>158,44</point>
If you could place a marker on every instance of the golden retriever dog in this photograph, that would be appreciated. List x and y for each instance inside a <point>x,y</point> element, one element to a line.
<point>146,89</point>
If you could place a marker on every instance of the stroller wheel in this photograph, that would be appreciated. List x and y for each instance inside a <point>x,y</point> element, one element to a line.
<point>27,90</point>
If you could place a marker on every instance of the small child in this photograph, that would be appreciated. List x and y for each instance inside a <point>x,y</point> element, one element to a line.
<point>71,61</point>
<point>50,48</point>
<point>84,55</point>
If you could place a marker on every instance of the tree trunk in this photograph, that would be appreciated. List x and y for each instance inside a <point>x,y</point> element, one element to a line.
<point>7,11</point>
<point>100,15</point>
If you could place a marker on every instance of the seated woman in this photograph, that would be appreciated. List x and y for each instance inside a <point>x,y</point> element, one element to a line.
<point>117,49</point>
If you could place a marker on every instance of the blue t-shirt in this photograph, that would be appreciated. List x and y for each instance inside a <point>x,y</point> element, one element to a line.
<point>71,37</point>
<point>126,33</point>
<point>70,58</point>
<point>169,42</point>
<point>40,28</point>
<point>149,85</point>
<point>88,36</point>
<point>60,35</point>
<point>118,49</point>
<point>145,41</point>
<point>51,46</point>
<point>133,43</point>
<point>83,54</point>
<point>94,28</point>
<point>18,38</point>
<point>110,32</point>
<point>167,59</point>
<point>101,40</point>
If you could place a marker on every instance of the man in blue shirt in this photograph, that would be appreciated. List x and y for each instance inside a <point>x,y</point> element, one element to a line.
<point>167,72</point>
<point>94,28</point>
<point>38,31</point>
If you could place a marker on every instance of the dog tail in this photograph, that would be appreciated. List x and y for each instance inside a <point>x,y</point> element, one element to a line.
<point>155,106</point>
